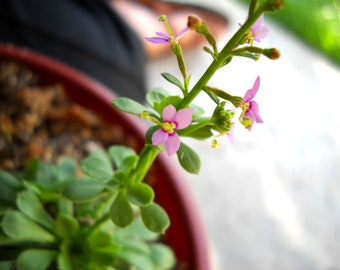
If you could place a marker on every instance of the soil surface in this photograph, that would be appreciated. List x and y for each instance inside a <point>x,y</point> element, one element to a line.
<point>41,122</point>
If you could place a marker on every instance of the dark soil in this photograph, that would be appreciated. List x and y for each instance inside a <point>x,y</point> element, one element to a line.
<point>41,122</point>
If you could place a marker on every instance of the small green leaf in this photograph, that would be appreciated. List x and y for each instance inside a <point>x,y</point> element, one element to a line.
<point>66,226</point>
<point>119,153</point>
<point>35,259</point>
<point>45,175</point>
<point>148,134</point>
<point>172,79</point>
<point>155,218</point>
<point>174,100</point>
<point>136,230</point>
<point>96,167</point>
<point>9,180</point>
<point>28,203</point>
<point>64,259</point>
<point>83,189</point>
<point>9,185</point>
<point>188,159</point>
<point>135,259</point>
<point>18,226</point>
<point>201,133</point>
<point>121,211</point>
<point>140,194</point>
<point>156,96</point>
<point>128,105</point>
<point>7,194</point>
<point>67,168</point>
<point>162,256</point>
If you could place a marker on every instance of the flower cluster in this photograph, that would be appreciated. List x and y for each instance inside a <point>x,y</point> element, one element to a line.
<point>173,120</point>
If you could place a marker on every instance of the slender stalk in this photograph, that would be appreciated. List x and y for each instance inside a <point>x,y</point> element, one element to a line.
<point>223,55</point>
<point>146,158</point>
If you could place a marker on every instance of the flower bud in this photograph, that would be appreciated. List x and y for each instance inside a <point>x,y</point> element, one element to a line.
<point>272,53</point>
<point>272,5</point>
<point>222,117</point>
<point>162,18</point>
<point>194,22</point>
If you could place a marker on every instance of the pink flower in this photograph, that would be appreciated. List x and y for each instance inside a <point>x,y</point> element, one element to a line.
<point>230,134</point>
<point>258,30</point>
<point>172,121</point>
<point>250,108</point>
<point>166,38</point>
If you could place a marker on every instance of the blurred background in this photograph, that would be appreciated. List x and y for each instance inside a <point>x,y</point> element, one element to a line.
<point>271,200</point>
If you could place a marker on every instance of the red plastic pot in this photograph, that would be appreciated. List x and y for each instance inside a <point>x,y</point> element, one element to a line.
<point>186,234</point>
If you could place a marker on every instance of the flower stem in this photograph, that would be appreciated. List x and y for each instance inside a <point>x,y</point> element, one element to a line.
<point>221,58</point>
<point>146,158</point>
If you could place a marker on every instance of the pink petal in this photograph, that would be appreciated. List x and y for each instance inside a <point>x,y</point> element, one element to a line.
<point>181,33</point>
<point>169,113</point>
<point>252,92</point>
<point>261,33</point>
<point>164,35</point>
<point>230,134</point>
<point>257,24</point>
<point>183,118</point>
<point>254,108</point>
<point>157,40</point>
<point>159,137</point>
<point>172,144</point>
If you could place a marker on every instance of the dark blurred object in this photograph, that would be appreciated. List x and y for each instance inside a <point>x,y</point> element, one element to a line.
<point>86,34</point>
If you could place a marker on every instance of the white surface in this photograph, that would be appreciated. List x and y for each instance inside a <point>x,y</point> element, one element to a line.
<point>271,200</point>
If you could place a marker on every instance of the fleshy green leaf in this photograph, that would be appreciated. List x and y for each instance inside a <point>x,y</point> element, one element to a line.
<point>18,226</point>
<point>172,79</point>
<point>29,203</point>
<point>9,185</point>
<point>156,96</point>
<point>121,211</point>
<point>64,259</point>
<point>136,230</point>
<point>83,189</point>
<point>66,226</point>
<point>128,105</point>
<point>9,180</point>
<point>97,167</point>
<point>7,194</point>
<point>140,194</point>
<point>155,218</point>
<point>45,175</point>
<point>201,133</point>
<point>67,168</point>
<point>162,256</point>
<point>35,259</point>
<point>134,258</point>
<point>174,100</point>
<point>119,153</point>
<point>188,159</point>
<point>148,134</point>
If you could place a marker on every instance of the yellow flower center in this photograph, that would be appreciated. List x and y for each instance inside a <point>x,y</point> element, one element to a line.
<point>169,127</point>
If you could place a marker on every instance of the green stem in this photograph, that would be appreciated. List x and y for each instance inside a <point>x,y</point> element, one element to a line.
<point>192,128</point>
<point>146,158</point>
<point>223,55</point>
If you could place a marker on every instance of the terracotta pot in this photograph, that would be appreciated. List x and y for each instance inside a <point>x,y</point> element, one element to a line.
<point>186,234</point>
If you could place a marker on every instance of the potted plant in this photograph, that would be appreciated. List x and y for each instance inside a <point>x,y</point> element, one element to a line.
<point>113,211</point>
